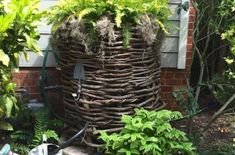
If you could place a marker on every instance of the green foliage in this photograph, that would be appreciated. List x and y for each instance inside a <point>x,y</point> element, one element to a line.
<point>19,148</point>
<point>122,12</point>
<point>18,22</point>
<point>148,132</point>
<point>41,127</point>
<point>222,88</point>
<point>36,125</point>
<point>218,23</point>
<point>227,11</point>
<point>186,100</point>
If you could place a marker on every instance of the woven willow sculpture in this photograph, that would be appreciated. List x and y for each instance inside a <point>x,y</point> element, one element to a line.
<point>117,78</point>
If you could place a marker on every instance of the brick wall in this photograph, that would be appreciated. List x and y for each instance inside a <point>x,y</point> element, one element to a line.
<point>171,79</point>
<point>28,78</point>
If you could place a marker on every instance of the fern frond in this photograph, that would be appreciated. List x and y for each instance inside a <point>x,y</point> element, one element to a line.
<point>126,36</point>
<point>41,121</point>
<point>162,26</point>
<point>51,134</point>
<point>118,18</point>
<point>84,12</point>
<point>21,135</point>
<point>20,148</point>
<point>37,139</point>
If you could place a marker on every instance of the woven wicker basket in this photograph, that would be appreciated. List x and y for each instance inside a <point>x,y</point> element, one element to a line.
<point>125,79</point>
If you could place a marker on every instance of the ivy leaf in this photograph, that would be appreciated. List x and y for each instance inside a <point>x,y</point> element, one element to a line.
<point>4,58</point>
<point>6,126</point>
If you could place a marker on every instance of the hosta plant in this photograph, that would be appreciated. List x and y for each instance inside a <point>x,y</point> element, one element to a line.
<point>18,22</point>
<point>148,132</point>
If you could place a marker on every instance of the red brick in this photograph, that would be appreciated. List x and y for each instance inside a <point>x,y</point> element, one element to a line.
<point>180,75</point>
<point>22,75</point>
<point>29,82</point>
<point>173,82</point>
<point>192,11</point>
<point>162,81</point>
<point>33,89</point>
<point>167,75</point>
<point>192,19</point>
<point>190,33</point>
<point>166,88</point>
<point>184,82</point>
<point>190,40</point>
<point>188,61</point>
<point>191,25</point>
<point>189,48</point>
<point>35,96</point>
<point>189,55</point>
<point>35,75</point>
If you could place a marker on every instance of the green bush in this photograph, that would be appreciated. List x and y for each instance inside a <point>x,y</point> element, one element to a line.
<point>18,35</point>
<point>148,132</point>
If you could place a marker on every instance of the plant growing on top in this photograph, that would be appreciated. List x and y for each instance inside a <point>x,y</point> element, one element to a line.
<point>148,132</point>
<point>97,19</point>
<point>18,34</point>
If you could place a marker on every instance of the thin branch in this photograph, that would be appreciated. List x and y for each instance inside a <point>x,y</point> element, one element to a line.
<point>214,50</point>
<point>220,112</point>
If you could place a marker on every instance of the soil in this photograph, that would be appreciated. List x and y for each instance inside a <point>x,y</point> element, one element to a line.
<point>220,134</point>
<point>222,131</point>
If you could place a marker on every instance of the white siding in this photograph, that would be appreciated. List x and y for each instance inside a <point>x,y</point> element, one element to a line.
<point>173,48</point>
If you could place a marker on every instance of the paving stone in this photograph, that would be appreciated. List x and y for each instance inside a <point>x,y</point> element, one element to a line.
<point>74,150</point>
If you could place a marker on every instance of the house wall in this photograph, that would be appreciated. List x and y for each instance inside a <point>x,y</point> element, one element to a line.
<point>172,78</point>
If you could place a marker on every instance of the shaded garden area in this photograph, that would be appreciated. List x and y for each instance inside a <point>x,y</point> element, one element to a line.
<point>108,54</point>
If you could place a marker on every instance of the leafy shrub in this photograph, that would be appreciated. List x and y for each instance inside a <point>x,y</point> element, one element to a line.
<point>18,34</point>
<point>148,132</point>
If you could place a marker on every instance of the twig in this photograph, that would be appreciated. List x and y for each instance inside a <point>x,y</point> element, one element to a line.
<point>220,112</point>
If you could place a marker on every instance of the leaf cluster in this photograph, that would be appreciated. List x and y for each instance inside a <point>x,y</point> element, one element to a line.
<point>148,132</point>
<point>122,11</point>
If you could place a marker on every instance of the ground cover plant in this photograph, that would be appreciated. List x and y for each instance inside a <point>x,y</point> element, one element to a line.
<point>148,132</point>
